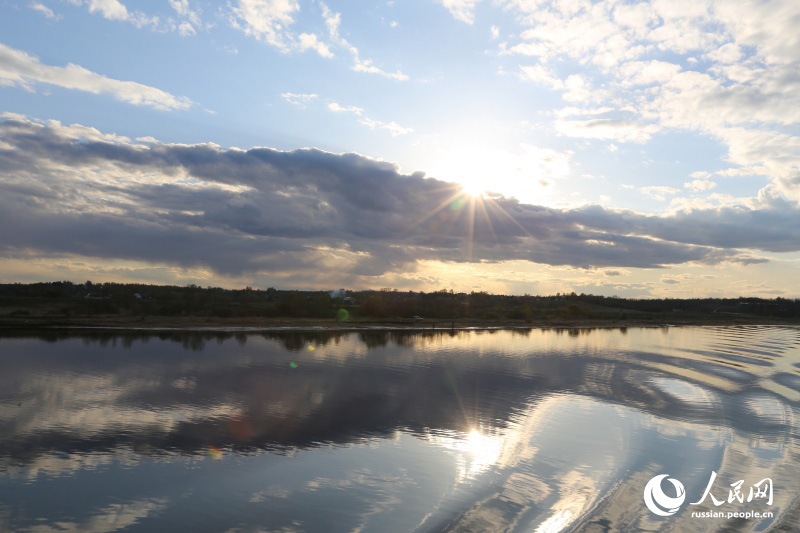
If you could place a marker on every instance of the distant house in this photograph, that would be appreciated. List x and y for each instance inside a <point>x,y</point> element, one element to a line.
<point>137,295</point>
<point>349,300</point>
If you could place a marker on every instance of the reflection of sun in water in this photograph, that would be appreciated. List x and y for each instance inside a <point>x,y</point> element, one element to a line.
<point>485,449</point>
<point>475,452</point>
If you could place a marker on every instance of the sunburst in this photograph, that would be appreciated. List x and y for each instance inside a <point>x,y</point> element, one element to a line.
<point>470,206</point>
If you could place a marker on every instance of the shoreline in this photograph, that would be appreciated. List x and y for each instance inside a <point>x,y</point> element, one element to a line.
<point>310,324</point>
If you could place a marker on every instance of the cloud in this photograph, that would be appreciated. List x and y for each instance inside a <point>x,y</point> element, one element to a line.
<point>186,29</point>
<point>299,99</point>
<point>607,128</point>
<point>392,127</point>
<point>745,93</point>
<point>332,22</point>
<point>726,54</point>
<point>75,191</point>
<point>463,10</point>
<point>310,41</point>
<point>336,108</point>
<point>44,10</point>
<point>699,185</point>
<point>184,10</point>
<point>116,10</point>
<point>267,20</point>
<point>110,9</point>
<point>271,21</point>
<point>18,68</point>
<point>647,72</point>
<point>540,74</point>
<point>191,18</point>
<point>657,192</point>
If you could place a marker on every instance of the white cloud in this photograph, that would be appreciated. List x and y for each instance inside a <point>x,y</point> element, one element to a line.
<point>332,21</point>
<point>310,41</point>
<point>366,65</point>
<point>699,185</point>
<point>116,10</point>
<point>181,7</point>
<point>463,10</point>
<point>607,128</point>
<point>392,127</point>
<point>579,90</point>
<point>607,33</point>
<point>495,32</point>
<point>635,16</point>
<point>186,29</point>
<point>301,101</point>
<point>267,20</point>
<point>657,192</point>
<point>540,74</point>
<point>575,111</point>
<point>298,99</point>
<point>727,53</point>
<point>770,27</point>
<point>336,108</point>
<point>110,9</point>
<point>647,72</point>
<point>700,174</point>
<point>776,155</point>
<point>44,10</point>
<point>745,93</point>
<point>191,17</point>
<point>271,21</point>
<point>18,68</point>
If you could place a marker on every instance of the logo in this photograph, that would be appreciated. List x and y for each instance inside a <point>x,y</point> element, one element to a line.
<point>658,502</point>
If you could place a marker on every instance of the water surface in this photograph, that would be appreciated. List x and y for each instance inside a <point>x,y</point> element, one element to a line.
<point>529,430</point>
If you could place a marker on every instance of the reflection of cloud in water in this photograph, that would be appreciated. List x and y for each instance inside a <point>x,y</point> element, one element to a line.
<point>112,518</point>
<point>557,460</point>
<point>538,430</point>
<point>685,392</point>
<point>768,409</point>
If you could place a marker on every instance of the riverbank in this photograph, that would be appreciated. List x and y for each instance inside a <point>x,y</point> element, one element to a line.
<point>254,323</point>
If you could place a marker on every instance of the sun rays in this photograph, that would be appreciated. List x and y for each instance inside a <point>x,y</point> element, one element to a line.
<point>467,210</point>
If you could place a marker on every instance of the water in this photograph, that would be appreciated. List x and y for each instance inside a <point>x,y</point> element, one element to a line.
<point>539,430</point>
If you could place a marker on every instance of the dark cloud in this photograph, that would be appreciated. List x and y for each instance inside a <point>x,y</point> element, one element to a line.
<point>77,191</point>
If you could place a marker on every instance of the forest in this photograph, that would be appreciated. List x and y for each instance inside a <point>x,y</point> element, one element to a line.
<point>87,299</point>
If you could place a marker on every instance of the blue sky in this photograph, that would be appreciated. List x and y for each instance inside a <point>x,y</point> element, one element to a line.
<point>613,147</point>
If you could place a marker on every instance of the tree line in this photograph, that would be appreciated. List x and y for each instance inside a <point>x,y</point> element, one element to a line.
<point>66,298</point>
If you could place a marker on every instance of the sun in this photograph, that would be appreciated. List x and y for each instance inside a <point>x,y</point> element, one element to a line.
<point>474,190</point>
<point>468,166</point>
<point>517,173</point>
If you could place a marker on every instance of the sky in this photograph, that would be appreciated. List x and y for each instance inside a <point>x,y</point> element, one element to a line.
<point>639,149</point>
